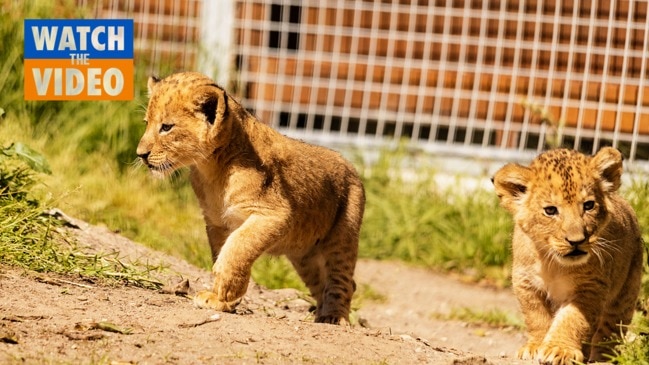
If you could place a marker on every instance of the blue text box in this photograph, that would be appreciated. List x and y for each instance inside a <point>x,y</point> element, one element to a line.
<point>59,38</point>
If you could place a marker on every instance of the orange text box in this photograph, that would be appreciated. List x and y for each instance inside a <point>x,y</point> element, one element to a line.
<point>64,80</point>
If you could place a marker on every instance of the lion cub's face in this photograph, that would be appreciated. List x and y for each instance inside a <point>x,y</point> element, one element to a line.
<point>560,201</point>
<point>181,118</point>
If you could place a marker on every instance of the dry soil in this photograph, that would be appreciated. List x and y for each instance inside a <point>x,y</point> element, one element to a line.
<point>52,319</point>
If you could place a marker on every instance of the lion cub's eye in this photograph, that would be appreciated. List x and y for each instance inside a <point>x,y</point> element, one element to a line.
<point>551,210</point>
<point>166,127</point>
<point>589,205</point>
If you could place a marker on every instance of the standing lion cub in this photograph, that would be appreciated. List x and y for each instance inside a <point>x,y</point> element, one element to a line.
<point>260,192</point>
<point>577,253</point>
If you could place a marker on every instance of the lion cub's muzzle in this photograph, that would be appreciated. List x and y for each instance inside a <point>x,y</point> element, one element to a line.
<point>576,253</point>
<point>144,156</point>
<point>145,159</point>
<point>576,248</point>
<point>159,169</point>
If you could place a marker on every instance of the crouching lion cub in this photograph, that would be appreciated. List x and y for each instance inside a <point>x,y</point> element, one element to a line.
<point>577,253</point>
<point>260,192</point>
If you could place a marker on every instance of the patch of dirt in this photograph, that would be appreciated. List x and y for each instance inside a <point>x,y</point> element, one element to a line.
<point>416,298</point>
<point>47,318</point>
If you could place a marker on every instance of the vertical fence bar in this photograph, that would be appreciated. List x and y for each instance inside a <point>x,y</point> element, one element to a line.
<point>637,118</point>
<point>426,70</point>
<point>441,74</point>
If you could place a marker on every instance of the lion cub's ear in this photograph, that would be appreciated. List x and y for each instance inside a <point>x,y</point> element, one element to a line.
<point>511,185</point>
<point>213,104</point>
<point>151,84</point>
<point>608,164</point>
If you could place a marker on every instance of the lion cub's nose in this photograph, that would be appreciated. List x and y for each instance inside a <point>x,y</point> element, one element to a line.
<point>576,240</point>
<point>144,156</point>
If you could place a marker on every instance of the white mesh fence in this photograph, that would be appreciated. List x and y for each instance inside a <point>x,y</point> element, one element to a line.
<point>483,78</point>
<point>166,32</point>
<point>479,78</point>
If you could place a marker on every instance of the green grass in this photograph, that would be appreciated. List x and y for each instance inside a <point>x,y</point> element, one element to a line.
<point>33,240</point>
<point>416,222</point>
<point>366,293</point>
<point>494,318</point>
<point>277,272</point>
<point>90,146</point>
<point>635,346</point>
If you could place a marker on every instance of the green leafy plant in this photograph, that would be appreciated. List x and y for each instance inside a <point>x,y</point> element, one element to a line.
<point>35,160</point>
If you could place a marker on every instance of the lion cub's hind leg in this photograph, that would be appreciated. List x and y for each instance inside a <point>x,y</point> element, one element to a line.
<point>311,268</point>
<point>328,270</point>
<point>340,251</point>
<point>339,286</point>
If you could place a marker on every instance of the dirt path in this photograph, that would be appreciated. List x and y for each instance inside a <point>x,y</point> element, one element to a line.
<point>415,295</point>
<point>51,319</point>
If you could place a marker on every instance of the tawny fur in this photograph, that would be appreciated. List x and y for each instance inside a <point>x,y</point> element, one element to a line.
<point>260,192</point>
<point>577,253</point>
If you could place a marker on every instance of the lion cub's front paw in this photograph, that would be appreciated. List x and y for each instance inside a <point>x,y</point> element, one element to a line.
<point>557,354</point>
<point>333,319</point>
<point>528,351</point>
<point>207,299</point>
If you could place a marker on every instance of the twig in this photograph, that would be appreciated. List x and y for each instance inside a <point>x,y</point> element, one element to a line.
<point>104,326</point>
<point>132,277</point>
<point>109,327</point>
<point>77,336</point>
<point>212,318</point>
<point>58,282</point>
<point>19,318</point>
<point>73,283</point>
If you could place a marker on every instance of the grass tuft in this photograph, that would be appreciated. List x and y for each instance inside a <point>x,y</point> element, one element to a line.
<point>634,349</point>
<point>33,240</point>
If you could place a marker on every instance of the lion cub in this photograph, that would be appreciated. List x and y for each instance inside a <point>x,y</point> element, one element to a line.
<point>260,192</point>
<point>577,253</point>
